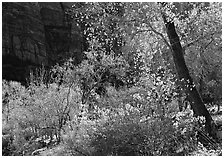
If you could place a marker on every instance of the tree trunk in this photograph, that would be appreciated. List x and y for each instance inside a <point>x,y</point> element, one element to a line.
<point>187,83</point>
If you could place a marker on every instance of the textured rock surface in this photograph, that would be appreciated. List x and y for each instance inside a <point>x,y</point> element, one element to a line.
<point>35,34</point>
<point>23,32</point>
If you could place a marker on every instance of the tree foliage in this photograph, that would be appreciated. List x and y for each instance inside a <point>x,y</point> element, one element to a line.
<point>123,98</point>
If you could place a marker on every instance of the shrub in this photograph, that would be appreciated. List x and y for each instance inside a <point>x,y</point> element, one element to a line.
<point>155,137</point>
<point>77,141</point>
<point>7,146</point>
<point>125,121</point>
<point>27,110</point>
<point>125,135</point>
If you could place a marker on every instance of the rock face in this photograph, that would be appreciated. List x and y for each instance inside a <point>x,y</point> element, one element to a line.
<point>23,32</point>
<point>35,34</point>
<point>61,33</point>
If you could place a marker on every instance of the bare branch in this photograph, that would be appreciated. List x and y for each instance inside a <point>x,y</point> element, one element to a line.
<point>192,42</point>
<point>153,30</point>
<point>139,31</point>
<point>161,35</point>
<point>209,43</point>
<point>200,38</point>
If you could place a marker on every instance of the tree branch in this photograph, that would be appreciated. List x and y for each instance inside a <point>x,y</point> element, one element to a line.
<point>208,44</point>
<point>199,38</point>
<point>139,31</point>
<point>154,31</point>
<point>192,42</point>
<point>161,35</point>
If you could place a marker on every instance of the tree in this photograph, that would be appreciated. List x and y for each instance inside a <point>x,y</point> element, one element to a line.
<point>184,75</point>
<point>137,29</point>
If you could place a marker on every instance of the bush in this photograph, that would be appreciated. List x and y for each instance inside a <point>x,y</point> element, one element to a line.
<point>134,120</point>
<point>77,141</point>
<point>125,135</point>
<point>7,146</point>
<point>120,128</point>
<point>130,138</point>
<point>28,110</point>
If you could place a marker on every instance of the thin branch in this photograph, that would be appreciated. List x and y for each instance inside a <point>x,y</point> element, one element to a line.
<point>153,30</point>
<point>139,31</point>
<point>208,44</point>
<point>161,35</point>
<point>193,42</point>
<point>203,50</point>
<point>199,38</point>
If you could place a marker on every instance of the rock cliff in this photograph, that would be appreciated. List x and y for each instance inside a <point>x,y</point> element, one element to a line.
<point>35,34</point>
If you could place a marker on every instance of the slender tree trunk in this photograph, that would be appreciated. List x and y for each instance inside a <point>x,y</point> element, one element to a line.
<point>187,83</point>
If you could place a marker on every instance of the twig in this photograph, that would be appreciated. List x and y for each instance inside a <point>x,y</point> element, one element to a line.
<point>161,35</point>
<point>199,38</point>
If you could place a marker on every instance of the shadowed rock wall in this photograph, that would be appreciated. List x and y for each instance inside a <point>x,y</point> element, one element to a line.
<point>34,34</point>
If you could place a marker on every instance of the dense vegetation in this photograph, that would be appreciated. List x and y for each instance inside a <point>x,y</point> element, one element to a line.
<point>126,97</point>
